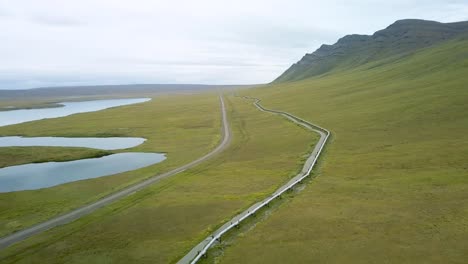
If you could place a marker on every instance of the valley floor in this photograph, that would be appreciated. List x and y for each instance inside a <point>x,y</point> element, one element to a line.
<point>393,184</point>
<point>161,223</point>
<point>391,187</point>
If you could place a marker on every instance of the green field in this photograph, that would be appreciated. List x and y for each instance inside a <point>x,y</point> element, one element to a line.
<point>184,127</point>
<point>393,184</point>
<point>6,106</point>
<point>163,222</point>
<point>10,156</point>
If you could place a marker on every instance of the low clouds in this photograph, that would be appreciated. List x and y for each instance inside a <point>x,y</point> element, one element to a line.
<point>3,13</point>
<point>50,43</point>
<point>53,20</point>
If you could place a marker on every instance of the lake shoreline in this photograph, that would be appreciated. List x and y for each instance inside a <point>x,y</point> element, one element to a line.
<point>98,157</point>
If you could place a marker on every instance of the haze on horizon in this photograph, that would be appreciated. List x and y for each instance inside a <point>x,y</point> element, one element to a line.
<point>57,43</point>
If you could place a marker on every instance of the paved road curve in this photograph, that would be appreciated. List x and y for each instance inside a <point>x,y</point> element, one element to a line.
<point>77,213</point>
<point>200,250</point>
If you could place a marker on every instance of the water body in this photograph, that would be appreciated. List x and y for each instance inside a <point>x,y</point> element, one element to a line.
<point>43,175</point>
<point>111,143</point>
<point>69,108</point>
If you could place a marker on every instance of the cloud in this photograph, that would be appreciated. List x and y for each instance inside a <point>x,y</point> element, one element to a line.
<point>4,12</point>
<point>212,62</point>
<point>51,42</point>
<point>61,21</point>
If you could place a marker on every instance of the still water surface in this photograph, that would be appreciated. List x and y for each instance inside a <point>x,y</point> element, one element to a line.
<point>111,143</point>
<point>69,108</point>
<point>41,175</point>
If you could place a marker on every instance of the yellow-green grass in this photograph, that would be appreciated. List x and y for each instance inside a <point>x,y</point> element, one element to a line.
<point>8,107</point>
<point>10,156</point>
<point>52,101</point>
<point>184,127</point>
<point>393,184</point>
<point>46,102</point>
<point>163,222</point>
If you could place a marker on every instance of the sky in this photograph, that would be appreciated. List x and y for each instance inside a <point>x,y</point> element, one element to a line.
<point>88,42</point>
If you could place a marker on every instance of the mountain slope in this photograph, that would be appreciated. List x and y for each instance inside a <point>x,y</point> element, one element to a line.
<point>399,39</point>
<point>392,186</point>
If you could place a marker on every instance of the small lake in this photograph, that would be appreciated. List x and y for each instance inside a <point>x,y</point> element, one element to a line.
<point>111,143</point>
<point>42,175</point>
<point>69,108</point>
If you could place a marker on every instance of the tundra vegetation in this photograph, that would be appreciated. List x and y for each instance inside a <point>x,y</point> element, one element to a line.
<point>391,186</point>
<point>183,127</point>
<point>393,183</point>
<point>161,223</point>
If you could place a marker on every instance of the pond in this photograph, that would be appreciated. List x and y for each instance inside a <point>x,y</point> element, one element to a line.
<point>69,108</point>
<point>41,175</point>
<point>111,143</point>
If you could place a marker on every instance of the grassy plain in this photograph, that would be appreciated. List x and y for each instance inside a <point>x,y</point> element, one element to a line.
<point>27,106</point>
<point>393,184</point>
<point>161,223</point>
<point>10,156</point>
<point>185,127</point>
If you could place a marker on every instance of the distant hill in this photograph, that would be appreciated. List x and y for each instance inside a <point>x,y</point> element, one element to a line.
<point>103,91</point>
<point>399,39</point>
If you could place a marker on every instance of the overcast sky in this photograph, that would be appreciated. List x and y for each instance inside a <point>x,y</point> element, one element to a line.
<point>65,42</point>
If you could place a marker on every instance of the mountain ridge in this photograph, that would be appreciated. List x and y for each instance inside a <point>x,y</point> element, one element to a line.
<point>401,38</point>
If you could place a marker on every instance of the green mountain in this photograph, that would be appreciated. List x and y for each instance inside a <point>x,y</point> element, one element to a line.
<point>398,40</point>
<point>392,184</point>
